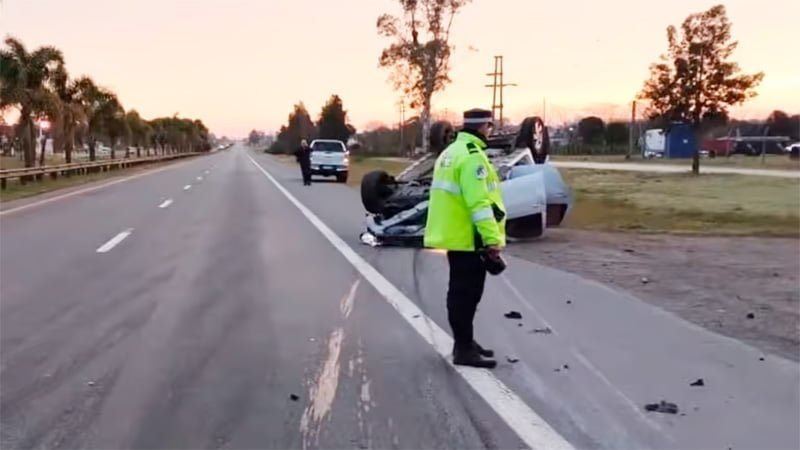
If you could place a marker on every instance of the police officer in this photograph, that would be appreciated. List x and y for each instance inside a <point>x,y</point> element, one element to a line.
<point>466,217</point>
<point>303,156</point>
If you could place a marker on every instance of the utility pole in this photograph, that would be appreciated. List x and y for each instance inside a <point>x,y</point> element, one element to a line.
<point>497,89</point>
<point>630,130</point>
<point>401,126</point>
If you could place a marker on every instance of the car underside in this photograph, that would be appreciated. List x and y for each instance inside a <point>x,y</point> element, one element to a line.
<point>534,193</point>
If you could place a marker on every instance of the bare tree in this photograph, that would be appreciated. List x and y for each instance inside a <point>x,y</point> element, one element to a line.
<point>419,55</point>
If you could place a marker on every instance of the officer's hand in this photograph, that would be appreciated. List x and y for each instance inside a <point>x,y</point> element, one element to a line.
<point>493,251</point>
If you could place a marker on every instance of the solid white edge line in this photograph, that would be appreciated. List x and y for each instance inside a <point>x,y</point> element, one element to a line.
<point>166,203</point>
<point>113,242</point>
<point>93,188</point>
<point>187,187</point>
<point>529,426</point>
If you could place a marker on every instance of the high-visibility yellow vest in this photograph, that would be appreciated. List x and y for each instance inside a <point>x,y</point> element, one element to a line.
<point>465,201</point>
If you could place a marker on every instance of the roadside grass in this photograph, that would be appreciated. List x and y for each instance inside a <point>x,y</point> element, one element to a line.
<point>751,162</point>
<point>662,203</point>
<point>684,204</point>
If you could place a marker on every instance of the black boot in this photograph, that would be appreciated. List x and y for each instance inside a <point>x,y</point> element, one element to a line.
<point>485,352</point>
<point>470,357</point>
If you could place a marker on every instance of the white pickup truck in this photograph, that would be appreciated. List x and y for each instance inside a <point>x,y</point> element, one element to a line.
<point>330,158</point>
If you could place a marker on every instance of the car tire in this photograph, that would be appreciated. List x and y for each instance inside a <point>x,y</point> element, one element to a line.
<point>533,135</point>
<point>442,134</point>
<point>376,187</point>
<point>341,177</point>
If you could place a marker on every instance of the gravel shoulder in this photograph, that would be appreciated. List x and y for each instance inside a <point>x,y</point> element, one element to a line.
<point>715,282</point>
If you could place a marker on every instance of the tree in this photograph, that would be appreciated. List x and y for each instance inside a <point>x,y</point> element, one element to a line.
<point>419,55</point>
<point>71,117</point>
<point>332,123</point>
<point>26,80</point>
<point>299,127</point>
<point>617,133</point>
<point>780,124</point>
<point>695,76</point>
<point>591,130</point>
<point>140,132</point>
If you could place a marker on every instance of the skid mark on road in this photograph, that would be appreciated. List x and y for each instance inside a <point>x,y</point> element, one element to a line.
<point>323,391</point>
<point>527,424</point>
<point>113,242</point>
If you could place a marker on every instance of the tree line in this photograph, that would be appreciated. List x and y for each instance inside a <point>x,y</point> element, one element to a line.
<point>81,112</point>
<point>331,124</point>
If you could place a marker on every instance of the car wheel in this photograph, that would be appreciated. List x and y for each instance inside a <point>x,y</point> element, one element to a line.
<point>533,135</point>
<point>442,134</point>
<point>341,178</point>
<point>376,187</point>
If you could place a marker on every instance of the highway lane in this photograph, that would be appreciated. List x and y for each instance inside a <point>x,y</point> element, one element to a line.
<point>620,352</point>
<point>197,328</point>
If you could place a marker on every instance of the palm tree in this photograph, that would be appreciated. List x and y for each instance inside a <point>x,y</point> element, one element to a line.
<point>104,113</point>
<point>25,83</point>
<point>140,131</point>
<point>71,117</point>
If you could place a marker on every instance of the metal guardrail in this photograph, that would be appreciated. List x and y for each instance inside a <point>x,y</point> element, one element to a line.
<point>83,167</point>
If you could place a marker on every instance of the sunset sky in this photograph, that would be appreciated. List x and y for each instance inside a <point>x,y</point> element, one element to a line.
<point>242,64</point>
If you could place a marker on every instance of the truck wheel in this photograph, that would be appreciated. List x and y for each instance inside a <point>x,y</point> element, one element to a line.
<point>341,177</point>
<point>375,189</point>
<point>533,135</point>
<point>442,134</point>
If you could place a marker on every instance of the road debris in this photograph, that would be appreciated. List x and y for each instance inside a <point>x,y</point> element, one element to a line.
<point>294,397</point>
<point>698,382</point>
<point>91,383</point>
<point>566,366</point>
<point>519,324</point>
<point>513,315</point>
<point>629,250</point>
<point>511,359</point>
<point>569,302</point>
<point>546,330</point>
<point>751,315</point>
<point>415,316</point>
<point>761,358</point>
<point>663,407</point>
<point>645,280</point>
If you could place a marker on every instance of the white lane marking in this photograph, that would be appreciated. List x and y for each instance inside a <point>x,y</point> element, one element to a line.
<point>113,242</point>
<point>207,172</point>
<point>187,187</point>
<point>93,188</point>
<point>529,426</point>
<point>166,203</point>
<point>346,304</point>
<point>199,178</point>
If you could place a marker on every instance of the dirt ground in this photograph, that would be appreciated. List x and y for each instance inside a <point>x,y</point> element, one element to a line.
<point>715,282</point>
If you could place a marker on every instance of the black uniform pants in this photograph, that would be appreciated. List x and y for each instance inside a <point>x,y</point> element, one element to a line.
<point>464,292</point>
<point>305,169</point>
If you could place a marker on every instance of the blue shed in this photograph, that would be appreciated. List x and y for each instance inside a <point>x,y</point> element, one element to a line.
<point>680,142</point>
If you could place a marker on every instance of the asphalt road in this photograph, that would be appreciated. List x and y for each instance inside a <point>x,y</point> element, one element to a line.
<point>146,314</point>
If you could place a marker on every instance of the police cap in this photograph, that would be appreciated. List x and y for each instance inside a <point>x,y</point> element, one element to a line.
<point>476,117</point>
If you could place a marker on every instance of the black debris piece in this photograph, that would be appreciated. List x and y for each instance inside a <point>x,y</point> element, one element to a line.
<point>776,274</point>
<point>519,324</point>
<point>751,316</point>
<point>645,280</point>
<point>513,315</point>
<point>629,250</point>
<point>682,414</point>
<point>569,302</point>
<point>557,369</point>
<point>761,358</point>
<point>294,397</point>
<point>566,366</point>
<point>699,382</point>
<point>546,330</point>
<point>415,316</point>
<point>662,407</point>
<point>511,359</point>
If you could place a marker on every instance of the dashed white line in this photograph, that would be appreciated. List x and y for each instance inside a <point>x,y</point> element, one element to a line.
<point>166,203</point>
<point>526,423</point>
<point>187,187</point>
<point>199,178</point>
<point>113,242</point>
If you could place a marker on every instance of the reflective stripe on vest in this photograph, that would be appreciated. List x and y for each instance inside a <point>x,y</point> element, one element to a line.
<point>483,214</point>
<point>491,186</point>
<point>446,186</point>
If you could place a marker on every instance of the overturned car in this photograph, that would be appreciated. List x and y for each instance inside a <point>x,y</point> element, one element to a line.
<point>533,190</point>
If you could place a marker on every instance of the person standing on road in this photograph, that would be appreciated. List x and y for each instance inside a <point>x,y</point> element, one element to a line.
<point>303,155</point>
<point>466,217</point>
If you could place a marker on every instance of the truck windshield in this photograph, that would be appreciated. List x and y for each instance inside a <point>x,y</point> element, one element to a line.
<point>327,147</point>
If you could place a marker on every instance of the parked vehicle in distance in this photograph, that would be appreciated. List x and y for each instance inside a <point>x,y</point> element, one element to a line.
<point>330,158</point>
